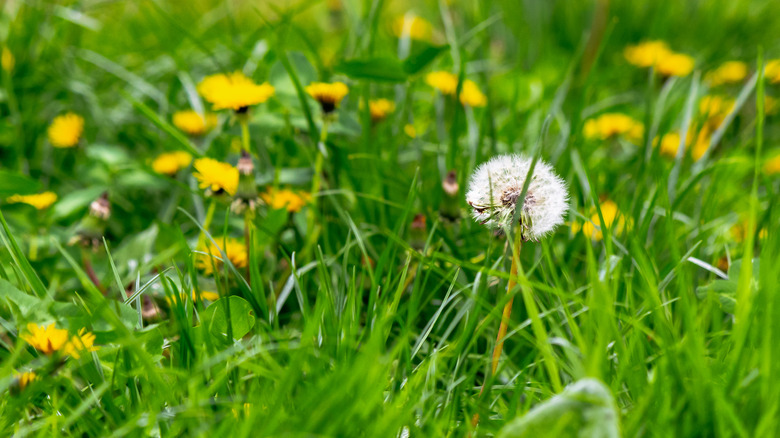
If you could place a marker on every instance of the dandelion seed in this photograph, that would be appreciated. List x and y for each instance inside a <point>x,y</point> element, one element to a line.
<point>215,176</point>
<point>40,201</point>
<point>65,130</point>
<point>496,185</point>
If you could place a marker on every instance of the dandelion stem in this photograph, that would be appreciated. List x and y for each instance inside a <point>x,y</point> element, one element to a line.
<point>317,177</point>
<point>502,328</point>
<point>244,133</point>
<point>207,223</point>
<point>85,260</point>
<point>247,237</point>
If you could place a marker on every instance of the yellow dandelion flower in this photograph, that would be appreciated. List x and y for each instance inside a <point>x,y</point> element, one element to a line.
<point>7,60</point>
<point>46,339</point>
<point>206,295</point>
<point>611,214</point>
<point>715,109</point>
<point>443,81</point>
<point>702,144</point>
<point>216,176</point>
<point>669,144</point>
<point>646,54</point>
<point>169,163</point>
<point>410,130</point>
<point>380,109</point>
<point>193,123</point>
<point>772,71</point>
<point>739,231</point>
<point>471,95</point>
<point>41,201</point>
<point>233,248</point>
<point>26,378</point>
<point>285,198</point>
<point>234,91</point>
<point>770,105</point>
<point>675,64</point>
<point>772,165</point>
<point>412,26</point>
<point>65,130</point>
<point>729,72</point>
<point>611,125</point>
<point>329,95</point>
<point>81,342</point>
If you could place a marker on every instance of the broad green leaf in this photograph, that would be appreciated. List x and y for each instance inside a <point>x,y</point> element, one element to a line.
<point>12,183</point>
<point>376,69</point>
<point>25,302</point>
<point>422,57</point>
<point>74,201</point>
<point>241,318</point>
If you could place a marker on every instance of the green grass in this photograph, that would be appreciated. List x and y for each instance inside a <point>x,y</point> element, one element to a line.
<point>352,322</point>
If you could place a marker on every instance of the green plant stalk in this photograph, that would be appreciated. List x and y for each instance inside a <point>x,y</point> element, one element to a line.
<point>316,182</point>
<point>248,212</point>
<point>207,223</point>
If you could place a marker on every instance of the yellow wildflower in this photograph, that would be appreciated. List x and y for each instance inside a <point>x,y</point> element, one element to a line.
<point>46,339</point>
<point>328,95</point>
<point>611,214</point>
<point>772,166</point>
<point>380,108</point>
<point>83,341</point>
<point>65,130</point>
<point>234,91</point>
<point>443,81</point>
<point>675,64</point>
<point>739,231</point>
<point>471,95</point>
<point>216,176</point>
<point>410,130</point>
<point>169,163</point>
<point>770,105</point>
<point>772,71</point>
<point>206,295</point>
<point>41,201</point>
<point>26,378</point>
<point>285,198</point>
<point>646,54</point>
<point>612,125</point>
<point>670,142</point>
<point>7,60</point>
<point>702,143</point>
<point>715,108</point>
<point>233,248</point>
<point>193,123</point>
<point>413,26</point>
<point>729,72</point>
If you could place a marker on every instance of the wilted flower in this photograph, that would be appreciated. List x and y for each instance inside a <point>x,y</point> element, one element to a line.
<point>380,109</point>
<point>234,91</point>
<point>415,27</point>
<point>193,123</point>
<point>729,72</point>
<point>646,54</point>
<point>65,130</point>
<point>169,163</point>
<point>40,201</point>
<point>444,81</point>
<point>328,95</point>
<point>496,185</point>
<point>285,198</point>
<point>610,125</point>
<point>772,71</point>
<point>233,248</point>
<point>471,95</point>
<point>215,176</point>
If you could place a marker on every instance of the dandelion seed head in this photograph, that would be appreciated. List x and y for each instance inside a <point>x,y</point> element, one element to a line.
<point>496,186</point>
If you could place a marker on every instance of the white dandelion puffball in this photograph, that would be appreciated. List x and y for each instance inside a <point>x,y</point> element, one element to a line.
<point>496,185</point>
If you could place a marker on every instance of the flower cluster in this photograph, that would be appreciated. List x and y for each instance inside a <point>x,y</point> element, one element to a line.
<point>657,54</point>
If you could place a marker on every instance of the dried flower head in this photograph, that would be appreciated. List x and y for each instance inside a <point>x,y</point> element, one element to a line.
<point>41,201</point>
<point>215,176</point>
<point>193,123</point>
<point>65,130</point>
<point>234,91</point>
<point>496,185</point>
<point>169,163</point>
<point>730,72</point>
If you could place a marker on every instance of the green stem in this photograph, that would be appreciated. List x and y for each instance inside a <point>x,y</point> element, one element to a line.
<point>207,223</point>
<point>245,134</point>
<point>316,182</point>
